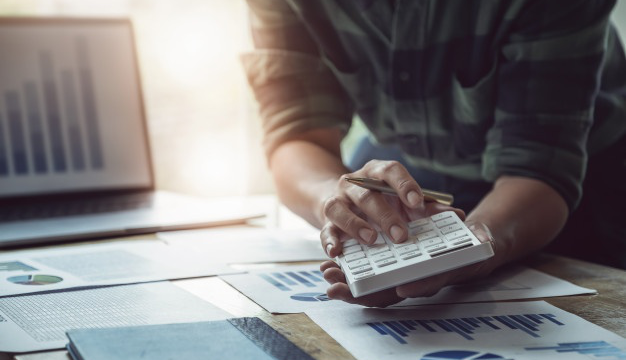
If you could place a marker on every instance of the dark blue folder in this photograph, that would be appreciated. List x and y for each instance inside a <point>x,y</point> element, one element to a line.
<point>240,338</point>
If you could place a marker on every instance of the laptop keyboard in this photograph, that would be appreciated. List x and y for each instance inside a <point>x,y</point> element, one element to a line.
<point>76,207</point>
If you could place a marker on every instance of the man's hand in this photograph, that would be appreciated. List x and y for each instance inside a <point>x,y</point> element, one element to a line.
<point>355,212</point>
<point>339,289</point>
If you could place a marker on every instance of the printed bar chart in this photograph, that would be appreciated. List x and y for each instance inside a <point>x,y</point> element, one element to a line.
<point>51,124</point>
<point>599,349</point>
<point>287,280</point>
<point>465,327</point>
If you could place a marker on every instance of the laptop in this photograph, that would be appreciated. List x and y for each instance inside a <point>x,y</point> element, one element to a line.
<point>74,154</point>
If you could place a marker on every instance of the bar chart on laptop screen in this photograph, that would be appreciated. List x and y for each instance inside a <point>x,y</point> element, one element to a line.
<point>70,109</point>
<point>27,151</point>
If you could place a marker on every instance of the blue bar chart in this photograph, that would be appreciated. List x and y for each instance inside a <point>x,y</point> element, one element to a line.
<point>465,327</point>
<point>600,349</point>
<point>49,124</point>
<point>291,280</point>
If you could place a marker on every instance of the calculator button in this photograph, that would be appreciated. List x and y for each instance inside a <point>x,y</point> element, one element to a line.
<point>451,228</point>
<point>406,248</point>
<point>355,256</point>
<point>462,240</point>
<point>427,235</point>
<point>382,256</point>
<point>441,216</point>
<point>364,275</point>
<point>386,262</point>
<point>350,242</point>
<point>412,238</point>
<point>377,249</point>
<point>445,222</point>
<point>351,249</point>
<point>436,248</point>
<point>357,263</point>
<point>422,229</point>
<point>417,223</point>
<point>361,269</point>
<point>431,242</point>
<point>455,235</point>
<point>410,255</point>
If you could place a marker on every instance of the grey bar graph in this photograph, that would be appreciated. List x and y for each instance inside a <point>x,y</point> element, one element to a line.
<point>16,132</point>
<point>51,99</point>
<point>35,122</point>
<point>4,161</point>
<point>73,121</point>
<point>89,103</point>
<point>50,124</point>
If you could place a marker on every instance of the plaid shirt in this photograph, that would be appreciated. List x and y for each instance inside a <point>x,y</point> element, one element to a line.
<point>469,88</point>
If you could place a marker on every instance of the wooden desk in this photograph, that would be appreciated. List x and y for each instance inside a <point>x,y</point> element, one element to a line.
<point>607,309</point>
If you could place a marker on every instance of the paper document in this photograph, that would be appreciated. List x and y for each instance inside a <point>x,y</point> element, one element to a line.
<point>249,245</point>
<point>122,262</point>
<point>289,289</point>
<point>39,322</point>
<point>285,289</point>
<point>510,283</point>
<point>520,331</point>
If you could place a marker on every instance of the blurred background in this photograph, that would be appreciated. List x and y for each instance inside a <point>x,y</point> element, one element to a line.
<point>202,118</point>
<point>204,132</point>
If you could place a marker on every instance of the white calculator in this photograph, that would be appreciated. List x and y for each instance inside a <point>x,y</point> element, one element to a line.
<point>436,244</point>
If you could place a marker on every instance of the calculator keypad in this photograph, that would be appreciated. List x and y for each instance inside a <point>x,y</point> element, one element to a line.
<point>429,238</point>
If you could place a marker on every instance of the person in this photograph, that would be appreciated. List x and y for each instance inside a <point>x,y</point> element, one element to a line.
<point>516,107</point>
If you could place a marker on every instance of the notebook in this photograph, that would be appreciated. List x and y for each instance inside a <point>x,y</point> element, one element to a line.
<point>74,153</point>
<point>240,338</point>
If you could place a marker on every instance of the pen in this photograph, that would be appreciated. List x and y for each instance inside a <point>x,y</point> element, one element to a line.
<point>379,185</point>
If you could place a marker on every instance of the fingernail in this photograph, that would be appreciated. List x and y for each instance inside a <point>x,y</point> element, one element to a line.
<point>396,232</point>
<point>366,235</point>
<point>414,198</point>
<point>329,247</point>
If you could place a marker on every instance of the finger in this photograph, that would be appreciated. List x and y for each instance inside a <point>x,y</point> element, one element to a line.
<point>330,237</point>
<point>340,214</point>
<point>334,275</point>
<point>375,207</point>
<point>341,291</point>
<point>398,178</point>
<point>328,265</point>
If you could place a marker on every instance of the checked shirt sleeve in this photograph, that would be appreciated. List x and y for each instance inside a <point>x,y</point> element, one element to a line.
<point>295,90</point>
<point>548,79</point>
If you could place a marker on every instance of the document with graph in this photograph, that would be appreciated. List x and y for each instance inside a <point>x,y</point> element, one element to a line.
<point>520,331</point>
<point>39,322</point>
<point>293,289</point>
<point>114,263</point>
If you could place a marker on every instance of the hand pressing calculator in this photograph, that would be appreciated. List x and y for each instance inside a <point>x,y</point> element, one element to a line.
<point>436,244</point>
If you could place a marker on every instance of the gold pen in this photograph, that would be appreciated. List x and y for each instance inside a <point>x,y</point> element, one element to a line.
<point>379,185</point>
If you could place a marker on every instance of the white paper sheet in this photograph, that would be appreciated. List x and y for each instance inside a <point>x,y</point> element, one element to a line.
<point>512,283</point>
<point>520,331</point>
<point>114,263</point>
<point>39,322</point>
<point>249,245</point>
<point>279,290</point>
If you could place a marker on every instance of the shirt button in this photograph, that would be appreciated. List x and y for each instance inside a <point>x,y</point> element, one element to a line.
<point>404,76</point>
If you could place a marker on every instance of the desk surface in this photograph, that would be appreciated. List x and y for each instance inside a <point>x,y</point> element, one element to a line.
<point>607,309</point>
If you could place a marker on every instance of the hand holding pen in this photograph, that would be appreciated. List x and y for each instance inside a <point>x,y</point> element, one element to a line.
<point>379,185</point>
<point>360,211</point>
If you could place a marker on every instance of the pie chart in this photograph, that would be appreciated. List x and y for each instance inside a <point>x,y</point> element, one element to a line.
<point>35,279</point>
<point>459,355</point>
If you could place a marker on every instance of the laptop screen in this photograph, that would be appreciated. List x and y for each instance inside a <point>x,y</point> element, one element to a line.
<point>71,113</point>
